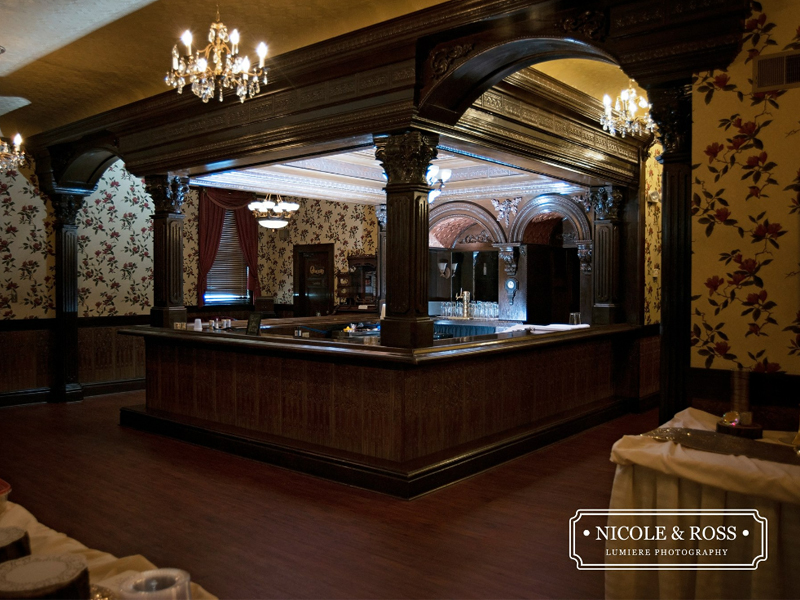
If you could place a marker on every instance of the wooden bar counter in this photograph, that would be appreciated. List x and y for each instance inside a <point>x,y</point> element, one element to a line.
<point>399,421</point>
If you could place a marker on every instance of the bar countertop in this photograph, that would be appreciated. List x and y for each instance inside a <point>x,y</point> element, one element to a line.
<point>442,350</point>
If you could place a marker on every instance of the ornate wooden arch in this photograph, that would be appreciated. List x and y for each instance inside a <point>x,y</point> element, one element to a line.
<point>76,168</point>
<point>451,210</point>
<point>447,95</point>
<point>563,205</point>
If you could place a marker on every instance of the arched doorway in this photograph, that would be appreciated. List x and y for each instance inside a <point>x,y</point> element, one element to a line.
<point>462,238</point>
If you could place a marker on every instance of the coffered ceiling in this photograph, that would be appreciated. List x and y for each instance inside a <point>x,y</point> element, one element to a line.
<point>358,177</point>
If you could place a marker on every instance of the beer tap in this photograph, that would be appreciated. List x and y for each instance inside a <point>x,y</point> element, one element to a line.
<point>464,296</point>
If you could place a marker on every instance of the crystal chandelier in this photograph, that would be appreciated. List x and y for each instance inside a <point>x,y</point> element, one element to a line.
<point>273,214</point>
<point>626,120</point>
<point>12,158</point>
<point>217,67</point>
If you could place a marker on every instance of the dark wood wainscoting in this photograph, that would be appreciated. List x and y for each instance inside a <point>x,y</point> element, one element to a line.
<point>25,354</point>
<point>402,429</point>
<point>107,362</point>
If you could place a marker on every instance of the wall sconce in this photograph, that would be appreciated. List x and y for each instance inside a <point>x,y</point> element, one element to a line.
<point>447,270</point>
<point>436,178</point>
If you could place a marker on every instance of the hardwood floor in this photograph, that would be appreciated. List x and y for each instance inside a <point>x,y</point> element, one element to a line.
<point>244,529</point>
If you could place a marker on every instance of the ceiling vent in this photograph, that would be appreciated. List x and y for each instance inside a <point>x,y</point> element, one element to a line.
<point>776,71</point>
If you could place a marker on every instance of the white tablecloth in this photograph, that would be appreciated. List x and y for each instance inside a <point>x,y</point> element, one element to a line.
<point>105,569</point>
<point>658,475</point>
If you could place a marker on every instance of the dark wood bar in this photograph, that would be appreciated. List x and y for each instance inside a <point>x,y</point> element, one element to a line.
<point>397,420</point>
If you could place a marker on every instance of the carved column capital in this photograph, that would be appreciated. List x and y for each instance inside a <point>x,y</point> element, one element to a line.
<point>66,207</point>
<point>607,202</point>
<point>380,214</point>
<point>405,157</point>
<point>585,248</point>
<point>168,192</point>
<point>583,200</point>
<point>509,255</point>
<point>671,110</point>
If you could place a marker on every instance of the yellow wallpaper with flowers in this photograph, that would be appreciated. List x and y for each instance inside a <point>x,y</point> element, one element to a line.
<point>652,237</point>
<point>352,228</point>
<point>27,253</point>
<point>746,208</point>
<point>115,247</point>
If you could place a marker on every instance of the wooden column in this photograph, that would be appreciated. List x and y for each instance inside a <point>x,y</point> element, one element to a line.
<point>607,204</point>
<point>672,112</point>
<point>585,250</point>
<point>66,387</point>
<point>405,158</point>
<point>380,214</point>
<point>168,193</point>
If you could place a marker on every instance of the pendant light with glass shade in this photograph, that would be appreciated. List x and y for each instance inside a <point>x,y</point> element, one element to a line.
<point>273,213</point>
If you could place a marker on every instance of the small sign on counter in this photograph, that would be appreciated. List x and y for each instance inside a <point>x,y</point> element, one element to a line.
<point>254,324</point>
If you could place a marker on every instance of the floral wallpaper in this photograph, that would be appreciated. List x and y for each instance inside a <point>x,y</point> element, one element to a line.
<point>191,252</point>
<point>746,207</point>
<point>27,251</point>
<point>652,238</point>
<point>115,247</point>
<point>353,229</point>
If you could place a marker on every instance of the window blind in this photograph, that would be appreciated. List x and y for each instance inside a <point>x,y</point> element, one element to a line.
<point>227,279</point>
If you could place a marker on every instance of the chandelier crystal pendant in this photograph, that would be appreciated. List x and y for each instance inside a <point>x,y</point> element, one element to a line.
<point>217,67</point>
<point>271,213</point>
<point>12,158</point>
<point>631,114</point>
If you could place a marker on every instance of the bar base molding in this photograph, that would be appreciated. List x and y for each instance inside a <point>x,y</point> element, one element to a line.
<point>407,480</point>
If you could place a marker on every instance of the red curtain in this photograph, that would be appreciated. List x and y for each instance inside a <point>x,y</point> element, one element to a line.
<point>213,204</point>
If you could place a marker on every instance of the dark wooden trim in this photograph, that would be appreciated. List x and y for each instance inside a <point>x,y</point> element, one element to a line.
<point>28,324</point>
<point>20,397</point>
<point>220,308</point>
<point>120,321</point>
<point>329,350</point>
<point>640,405</point>
<point>766,389</point>
<point>407,481</point>
<point>649,330</point>
<point>50,322</point>
<point>99,388</point>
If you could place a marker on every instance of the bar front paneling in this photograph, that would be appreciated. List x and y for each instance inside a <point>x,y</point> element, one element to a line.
<point>399,411</point>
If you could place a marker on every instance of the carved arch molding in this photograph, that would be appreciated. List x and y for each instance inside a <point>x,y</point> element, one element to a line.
<point>652,42</point>
<point>551,203</point>
<point>467,210</point>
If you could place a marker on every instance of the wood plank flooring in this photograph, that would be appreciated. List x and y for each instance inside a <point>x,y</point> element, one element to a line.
<point>249,530</point>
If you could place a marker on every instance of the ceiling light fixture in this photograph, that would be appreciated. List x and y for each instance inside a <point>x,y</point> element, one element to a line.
<point>436,178</point>
<point>12,158</point>
<point>624,118</point>
<point>273,214</point>
<point>217,67</point>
